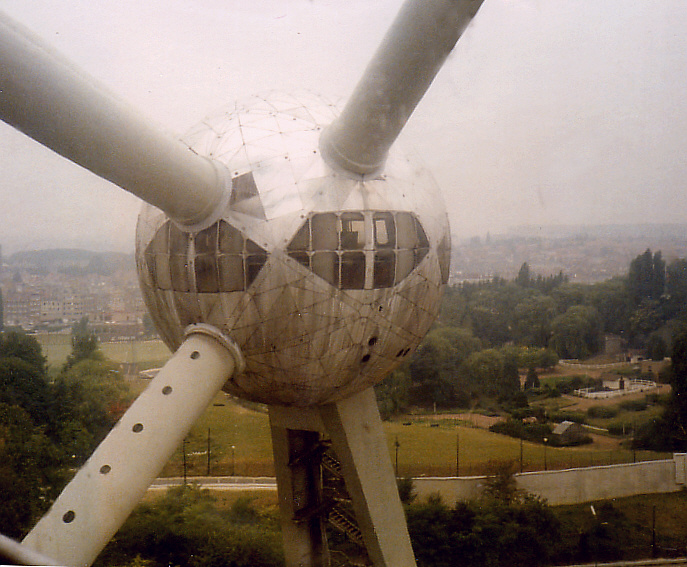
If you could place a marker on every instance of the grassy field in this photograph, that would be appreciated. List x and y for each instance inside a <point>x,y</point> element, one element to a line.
<point>425,448</point>
<point>645,519</point>
<point>229,424</point>
<point>146,354</point>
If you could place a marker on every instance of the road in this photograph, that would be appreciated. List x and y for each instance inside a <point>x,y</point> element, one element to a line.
<point>640,563</point>
<point>219,482</point>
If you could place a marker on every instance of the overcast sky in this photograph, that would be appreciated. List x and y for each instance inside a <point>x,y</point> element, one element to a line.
<point>548,111</point>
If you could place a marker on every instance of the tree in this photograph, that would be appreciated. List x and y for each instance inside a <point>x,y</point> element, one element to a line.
<point>185,528</point>
<point>523,278</point>
<point>612,300</point>
<point>509,387</point>
<point>485,369</point>
<point>84,344</point>
<point>435,367</point>
<point>501,486</point>
<point>89,398</point>
<point>676,288</point>
<point>532,380</point>
<point>675,415</point>
<point>577,333</point>
<point>512,532</point>
<point>393,393</point>
<point>20,345</point>
<point>532,320</point>
<point>669,432</point>
<point>656,347</point>
<point>30,470</point>
<point>23,386</point>
<point>647,277</point>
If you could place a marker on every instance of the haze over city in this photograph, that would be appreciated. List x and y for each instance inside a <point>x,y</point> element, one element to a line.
<point>546,113</point>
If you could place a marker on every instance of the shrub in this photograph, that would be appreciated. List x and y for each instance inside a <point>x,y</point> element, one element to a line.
<point>517,531</point>
<point>577,417</point>
<point>619,428</point>
<point>406,490</point>
<point>602,412</point>
<point>511,427</point>
<point>184,528</point>
<point>634,405</point>
<point>528,431</point>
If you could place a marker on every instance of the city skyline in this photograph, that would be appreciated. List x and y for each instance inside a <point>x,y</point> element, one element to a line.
<point>546,113</point>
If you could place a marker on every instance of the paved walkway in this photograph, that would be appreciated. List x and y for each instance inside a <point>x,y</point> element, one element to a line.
<point>640,563</point>
<point>219,482</point>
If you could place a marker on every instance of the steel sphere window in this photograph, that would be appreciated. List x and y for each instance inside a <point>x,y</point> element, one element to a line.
<point>360,250</point>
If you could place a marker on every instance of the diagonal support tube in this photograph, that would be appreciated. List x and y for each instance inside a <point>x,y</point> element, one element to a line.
<point>107,488</point>
<point>46,98</point>
<point>405,64</point>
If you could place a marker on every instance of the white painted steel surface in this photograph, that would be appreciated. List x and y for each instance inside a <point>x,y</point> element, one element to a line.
<point>46,98</point>
<point>359,442</point>
<point>404,66</point>
<point>325,282</point>
<point>104,492</point>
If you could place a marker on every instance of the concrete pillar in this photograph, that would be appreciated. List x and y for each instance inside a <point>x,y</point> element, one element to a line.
<point>680,460</point>
<point>299,484</point>
<point>358,439</point>
<point>355,429</point>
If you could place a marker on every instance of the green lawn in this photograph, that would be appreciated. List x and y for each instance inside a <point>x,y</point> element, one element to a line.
<point>230,425</point>
<point>423,450</point>
<point>147,354</point>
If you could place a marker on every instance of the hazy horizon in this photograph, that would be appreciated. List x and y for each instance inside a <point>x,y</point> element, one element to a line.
<point>547,113</point>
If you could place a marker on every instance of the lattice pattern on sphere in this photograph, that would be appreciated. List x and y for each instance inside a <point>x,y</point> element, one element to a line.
<point>325,282</point>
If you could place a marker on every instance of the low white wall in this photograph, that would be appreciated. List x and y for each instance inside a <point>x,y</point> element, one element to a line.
<point>574,486</point>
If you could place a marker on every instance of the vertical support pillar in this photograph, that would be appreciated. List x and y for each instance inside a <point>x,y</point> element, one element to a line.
<point>299,483</point>
<point>358,439</point>
<point>680,460</point>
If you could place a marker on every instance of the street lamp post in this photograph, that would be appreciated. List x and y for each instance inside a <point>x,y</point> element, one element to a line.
<point>457,452</point>
<point>396,446</point>
<point>184,454</point>
<point>546,440</point>
<point>233,460</point>
<point>208,471</point>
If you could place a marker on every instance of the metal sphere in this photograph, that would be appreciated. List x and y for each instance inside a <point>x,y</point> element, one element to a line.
<point>325,281</point>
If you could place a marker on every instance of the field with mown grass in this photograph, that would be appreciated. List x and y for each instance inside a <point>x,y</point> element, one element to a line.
<point>145,354</point>
<point>426,447</point>
<point>642,521</point>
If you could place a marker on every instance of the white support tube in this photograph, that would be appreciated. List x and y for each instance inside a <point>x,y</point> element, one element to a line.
<point>405,64</point>
<point>45,97</point>
<point>104,492</point>
<point>17,554</point>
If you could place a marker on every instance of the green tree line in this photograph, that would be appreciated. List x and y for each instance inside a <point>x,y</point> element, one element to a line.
<point>488,331</point>
<point>49,425</point>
